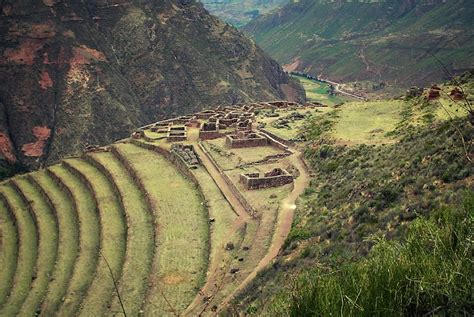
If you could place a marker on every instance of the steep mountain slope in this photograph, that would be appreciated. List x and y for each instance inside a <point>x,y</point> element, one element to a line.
<point>240,12</point>
<point>382,41</point>
<point>377,166</point>
<point>76,73</point>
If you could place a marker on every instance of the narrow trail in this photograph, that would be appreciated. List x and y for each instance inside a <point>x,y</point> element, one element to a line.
<point>215,270</point>
<point>282,227</point>
<point>339,90</point>
<point>285,220</point>
<point>215,273</point>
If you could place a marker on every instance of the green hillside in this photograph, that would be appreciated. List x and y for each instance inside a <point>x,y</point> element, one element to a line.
<point>381,41</point>
<point>353,247</point>
<point>276,212</point>
<point>240,12</point>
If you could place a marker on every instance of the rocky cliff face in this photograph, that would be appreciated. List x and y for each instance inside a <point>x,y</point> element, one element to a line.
<point>86,72</point>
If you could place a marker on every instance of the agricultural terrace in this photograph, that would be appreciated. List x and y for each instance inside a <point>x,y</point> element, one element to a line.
<point>181,217</point>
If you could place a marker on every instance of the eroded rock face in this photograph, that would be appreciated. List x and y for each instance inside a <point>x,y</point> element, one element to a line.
<point>87,72</point>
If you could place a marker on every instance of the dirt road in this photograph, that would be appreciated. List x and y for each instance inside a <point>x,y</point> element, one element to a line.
<point>285,220</point>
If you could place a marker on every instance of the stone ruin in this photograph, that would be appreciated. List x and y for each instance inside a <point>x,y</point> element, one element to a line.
<point>282,104</point>
<point>245,139</point>
<point>434,92</point>
<point>96,148</point>
<point>205,114</point>
<point>138,134</point>
<point>176,133</point>
<point>243,125</point>
<point>160,127</point>
<point>219,121</point>
<point>274,178</point>
<point>187,154</point>
<point>209,130</point>
<point>456,94</point>
<point>414,92</point>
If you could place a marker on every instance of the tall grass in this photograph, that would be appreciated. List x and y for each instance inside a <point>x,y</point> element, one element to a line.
<point>430,272</point>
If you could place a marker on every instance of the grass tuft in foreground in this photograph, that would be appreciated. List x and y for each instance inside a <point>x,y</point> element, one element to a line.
<point>430,272</point>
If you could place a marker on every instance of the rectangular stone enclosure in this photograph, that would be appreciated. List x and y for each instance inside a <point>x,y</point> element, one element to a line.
<point>250,139</point>
<point>176,133</point>
<point>276,177</point>
<point>209,130</point>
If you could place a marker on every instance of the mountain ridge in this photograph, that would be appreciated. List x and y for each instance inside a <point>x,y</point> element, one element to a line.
<point>88,73</point>
<point>387,41</point>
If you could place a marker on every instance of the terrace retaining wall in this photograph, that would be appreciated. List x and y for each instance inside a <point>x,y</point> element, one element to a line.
<point>281,140</point>
<point>250,210</point>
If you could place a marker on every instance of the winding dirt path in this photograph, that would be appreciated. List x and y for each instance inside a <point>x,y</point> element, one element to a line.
<point>215,270</point>
<point>283,226</point>
<point>339,90</point>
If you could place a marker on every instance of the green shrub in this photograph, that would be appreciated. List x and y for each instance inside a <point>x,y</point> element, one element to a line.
<point>430,272</point>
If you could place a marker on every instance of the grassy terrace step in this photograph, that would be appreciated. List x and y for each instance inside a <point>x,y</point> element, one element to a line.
<point>68,247</point>
<point>27,253</point>
<point>89,226</point>
<point>219,209</point>
<point>221,232</point>
<point>9,246</point>
<point>140,235</point>
<point>48,243</point>
<point>113,237</point>
<point>182,250</point>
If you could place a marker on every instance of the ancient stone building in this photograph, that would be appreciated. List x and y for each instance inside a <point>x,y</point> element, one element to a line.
<point>245,139</point>
<point>187,154</point>
<point>205,114</point>
<point>274,178</point>
<point>414,92</point>
<point>209,130</point>
<point>138,134</point>
<point>456,94</point>
<point>176,133</point>
<point>434,92</point>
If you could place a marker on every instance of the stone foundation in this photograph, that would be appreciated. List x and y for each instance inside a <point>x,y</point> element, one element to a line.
<point>274,178</point>
<point>209,131</point>
<point>176,134</point>
<point>245,139</point>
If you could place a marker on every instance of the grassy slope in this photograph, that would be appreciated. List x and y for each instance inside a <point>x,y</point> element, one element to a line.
<point>113,235</point>
<point>48,232</point>
<point>9,252</point>
<point>89,227</point>
<point>364,189</point>
<point>140,235</point>
<point>329,38</point>
<point>181,250</point>
<point>27,253</point>
<point>68,242</point>
<point>431,270</point>
<point>367,122</point>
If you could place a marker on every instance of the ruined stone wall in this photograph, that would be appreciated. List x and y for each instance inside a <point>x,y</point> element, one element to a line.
<point>234,142</point>
<point>277,138</point>
<point>265,182</point>
<point>209,135</point>
<point>250,210</point>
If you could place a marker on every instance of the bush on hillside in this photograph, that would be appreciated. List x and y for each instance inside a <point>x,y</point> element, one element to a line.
<point>430,272</point>
<point>364,190</point>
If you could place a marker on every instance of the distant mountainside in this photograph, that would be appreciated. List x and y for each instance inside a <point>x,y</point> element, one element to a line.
<point>86,72</point>
<point>381,41</point>
<point>241,12</point>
